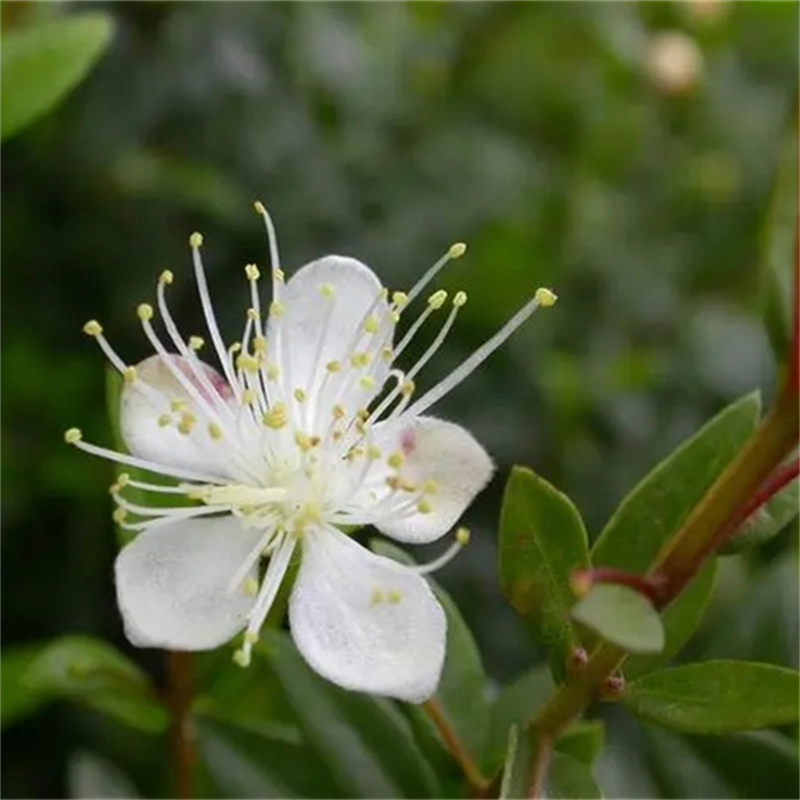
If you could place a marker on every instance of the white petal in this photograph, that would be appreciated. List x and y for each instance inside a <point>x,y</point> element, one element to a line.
<point>172,581</point>
<point>365,622</point>
<point>315,330</point>
<point>141,408</point>
<point>433,450</point>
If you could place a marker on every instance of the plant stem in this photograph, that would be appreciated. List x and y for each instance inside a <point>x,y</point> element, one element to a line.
<point>478,783</point>
<point>179,699</point>
<point>674,567</point>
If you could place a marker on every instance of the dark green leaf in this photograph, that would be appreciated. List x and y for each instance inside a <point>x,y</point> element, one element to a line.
<point>515,705</point>
<point>660,503</point>
<point>570,779</point>
<point>621,616</point>
<point>582,741</point>
<point>93,673</point>
<point>42,63</point>
<point>365,741</point>
<point>679,620</point>
<point>17,699</point>
<point>462,688</point>
<point>754,763</point>
<point>717,696</point>
<point>542,542</point>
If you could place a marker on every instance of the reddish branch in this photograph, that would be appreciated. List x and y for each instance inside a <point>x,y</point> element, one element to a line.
<point>179,699</point>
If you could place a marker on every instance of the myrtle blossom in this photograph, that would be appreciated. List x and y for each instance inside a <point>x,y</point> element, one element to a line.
<point>309,429</point>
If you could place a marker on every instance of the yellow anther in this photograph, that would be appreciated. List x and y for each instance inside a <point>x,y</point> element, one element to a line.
<point>424,507</point>
<point>164,420</point>
<point>92,328</point>
<point>252,272</point>
<point>302,440</point>
<point>437,299</point>
<point>276,309</point>
<point>373,453</point>
<point>299,395</point>
<point>337,435</point>
<point>187,423</point>
<point>353,453</point>
<point>395,460</point>
<point>407,388</point>
<point>166,277</point>
<point>394,316</point>
<point>326,290</point>
<point>333,366</point>
<point>259,207</point>
<point>196,342</point>
<point>399,300</point>
<point>360,359</point>
<point>430,487</point>
<point>393,596</point>
<point>362,414</point>
<point>393,482</point>
<point>272,372</point>
<point>460,299</point>
<point>280,275</point>
<point>386,353</point>
<point>377,597</point>
<point>462,537</point>
<point>275,418</point>
<point>338,411</point>
<point>196,240</point>
<point>235,348</point>
<point>241,657</point>
<point>247,363</point>
<point>371,325</point>
<point>119,515</point>
<point>251,637</point>
<point>366,382</point>
<point>144,311</point>
<point>457,250</point>
<point>252,315</point>
<point>250,587</point>
<point>129,374</point>
<point>177,405</point>
<point>259,344</point>
<point>249,397</point>
<point>214,431</point>
<point>115,488</point>
<point>73,436</point>
<point>123,478</point>
<point>545,298</point>
<point>383,293</point>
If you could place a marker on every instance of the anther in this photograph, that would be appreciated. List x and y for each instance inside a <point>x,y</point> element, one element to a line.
<point>399,300</point>
<point>144,311</point>
<point>252,315</point>
<point>92,328</point>
<point>272,372</point>
<point>333,366</point>
<point>251,637</point>
<point>166,277</point>
<point>360,359</point>
<point>252,272</point>
<point>73,436</point>
<point>177,405</point>
<point>393,596</point>
<point>276,309</point>
<point>280,275</point>
<point>164,420</point>
<point>196,342</point>
<point>460,299</point>
<point>395,460</point>
<point>250,587</point>
<point>457,250</point>
<point>437,299</point>
<point>386,353</point>
<point>187,423</point>
<point>242,657</point>
<point>196,240</point>
<point>214,431</point>
<point>462,537</point>
<point>259,344</point>
<point>259,207</point>
<point>373,453</point>
<point>249,397</point>
<point>119,515</point>
<point>545,297</point>
<point>338,411</point>
<point>122,479</point>
<point>129,374</point>
<point>326,290</point>
<point>371,325</point>
<point>407,388</point>
<point>299,395</point>
<point>430,487</point>
<point>377,597</point>
<point>366,382</point>
<point>424,507</point>
<point>275,418</point>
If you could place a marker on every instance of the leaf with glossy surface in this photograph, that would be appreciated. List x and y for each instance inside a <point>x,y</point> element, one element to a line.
<point>93,673</point>
<point>542,542</point>
<point>365,741</point>
<point>717,696</point>
<point>621,616</point>
<point>43,63</point>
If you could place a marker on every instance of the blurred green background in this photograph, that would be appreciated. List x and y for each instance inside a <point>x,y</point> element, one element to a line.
<point>623,153</point>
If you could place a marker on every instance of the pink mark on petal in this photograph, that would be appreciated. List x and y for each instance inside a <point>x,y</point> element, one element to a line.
<point>219,384</point>
<point>408,441</point>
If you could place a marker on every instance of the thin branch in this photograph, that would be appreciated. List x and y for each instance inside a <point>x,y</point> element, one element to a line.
<point>179,699</point>
<point>478,783</point>
<point>584,579</point>
<point>540,766</point>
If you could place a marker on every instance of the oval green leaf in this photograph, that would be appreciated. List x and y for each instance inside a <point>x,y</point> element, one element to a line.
<point>717,696</point>
<point>621,616</point>
<point>42,63</point>
<point>542,542</point>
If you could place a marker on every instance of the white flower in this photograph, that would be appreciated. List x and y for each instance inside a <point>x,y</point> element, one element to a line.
<point>308,429</point>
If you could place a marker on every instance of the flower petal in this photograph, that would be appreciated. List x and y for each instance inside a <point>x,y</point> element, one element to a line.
<point>144,409</point>
<point>173,579</point>
<point>365,622</point>
<point>440,454</point>
<point>324,308</point>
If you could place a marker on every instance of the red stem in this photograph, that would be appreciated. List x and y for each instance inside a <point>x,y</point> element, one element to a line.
<point>793,377</point>
<point>179,698</point>
<point>584,579</point>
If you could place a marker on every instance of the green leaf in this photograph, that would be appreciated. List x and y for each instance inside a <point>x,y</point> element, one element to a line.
<point>621,616</point>
<point>679,620</point>
<point>17,699</point>
<point>93,673</point>
<point>717,696</point>
<point>519,753</point>
<point>542,542</point>
<point>365,741</point>
<point>89,776</point>
<point>659,504</point>
<point>754,763</point>
<point>462,688</point>
<point>43,63</point>
<point>768,521</point>
<point>568,778</point>
<point>583,741</point>
<point>516,704</point>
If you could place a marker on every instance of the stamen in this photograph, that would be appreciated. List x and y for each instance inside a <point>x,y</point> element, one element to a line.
<point>274,260</point>
<point>435,302</point>
<point>462,540</point>
<point>456,251</point>
<point>543,297</point>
